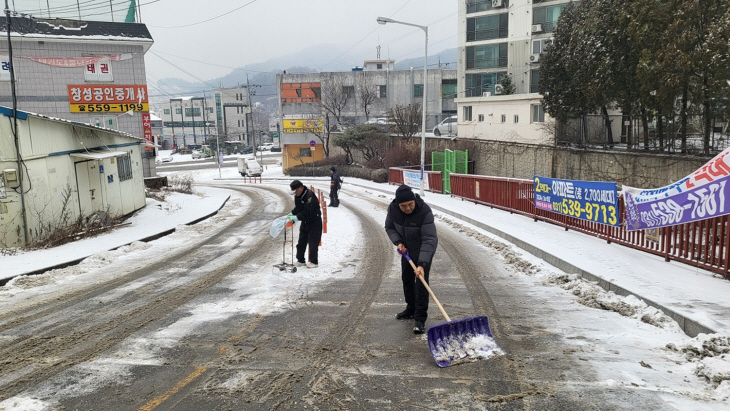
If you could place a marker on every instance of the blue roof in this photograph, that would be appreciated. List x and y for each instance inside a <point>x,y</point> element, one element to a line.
<point>8,112</point>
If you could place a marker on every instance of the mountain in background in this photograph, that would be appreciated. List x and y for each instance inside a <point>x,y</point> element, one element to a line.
<point>263,75</point>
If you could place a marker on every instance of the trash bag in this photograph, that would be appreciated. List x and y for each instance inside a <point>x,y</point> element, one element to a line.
<point>278,225</point>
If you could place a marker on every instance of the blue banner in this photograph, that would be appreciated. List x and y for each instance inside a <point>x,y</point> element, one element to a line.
<point>588,200</point>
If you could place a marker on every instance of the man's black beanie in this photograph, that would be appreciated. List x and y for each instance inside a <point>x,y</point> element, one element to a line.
<point>403,194</point>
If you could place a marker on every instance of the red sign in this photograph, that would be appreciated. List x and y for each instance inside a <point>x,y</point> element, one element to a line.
<point>108,94</point>
<point>147,128</point>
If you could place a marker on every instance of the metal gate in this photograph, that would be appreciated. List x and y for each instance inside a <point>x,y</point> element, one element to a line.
<point>450,161</point>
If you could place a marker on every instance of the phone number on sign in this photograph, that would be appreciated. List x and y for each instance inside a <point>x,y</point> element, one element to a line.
<point>601,213</point>
<point>108,108</point>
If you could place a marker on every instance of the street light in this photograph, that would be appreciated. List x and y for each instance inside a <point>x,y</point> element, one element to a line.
<point>383,20</point>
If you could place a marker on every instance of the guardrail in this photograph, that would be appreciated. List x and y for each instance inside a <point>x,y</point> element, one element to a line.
<point>703,244</point>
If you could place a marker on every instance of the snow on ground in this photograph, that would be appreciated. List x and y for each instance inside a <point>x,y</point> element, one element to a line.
<point>655,337</point>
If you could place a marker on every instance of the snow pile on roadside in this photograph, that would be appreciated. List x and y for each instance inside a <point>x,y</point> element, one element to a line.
<point>710,353</point>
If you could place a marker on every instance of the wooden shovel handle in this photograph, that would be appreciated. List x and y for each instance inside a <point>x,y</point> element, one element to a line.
<point>436,300</point>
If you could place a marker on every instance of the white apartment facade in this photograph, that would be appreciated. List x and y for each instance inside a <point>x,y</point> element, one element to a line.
<point>497,38</point>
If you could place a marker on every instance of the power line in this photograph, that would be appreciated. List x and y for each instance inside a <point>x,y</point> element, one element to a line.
<point>205,21</point>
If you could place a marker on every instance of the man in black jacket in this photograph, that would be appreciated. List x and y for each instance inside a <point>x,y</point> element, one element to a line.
<point>307,211</point>
<point>335,186</point>
<point>411,227</point>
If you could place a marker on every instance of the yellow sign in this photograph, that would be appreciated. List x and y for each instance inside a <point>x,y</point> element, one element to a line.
<point>303,126</point>
<point>109,108</point>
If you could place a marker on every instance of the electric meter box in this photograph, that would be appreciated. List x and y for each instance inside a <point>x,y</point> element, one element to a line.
<point>11,177</point>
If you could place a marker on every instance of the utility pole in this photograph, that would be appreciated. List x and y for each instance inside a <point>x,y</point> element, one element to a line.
<point>15,126</point>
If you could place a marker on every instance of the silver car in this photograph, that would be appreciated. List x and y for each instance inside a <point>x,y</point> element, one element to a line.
<point>447,127</point>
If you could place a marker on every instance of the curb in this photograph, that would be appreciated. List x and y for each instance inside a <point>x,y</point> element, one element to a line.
<point>690,327</point>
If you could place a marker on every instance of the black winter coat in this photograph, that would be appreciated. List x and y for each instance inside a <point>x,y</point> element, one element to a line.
<point>307,208</point>
<point>336,180</point>
<point>417,231</point>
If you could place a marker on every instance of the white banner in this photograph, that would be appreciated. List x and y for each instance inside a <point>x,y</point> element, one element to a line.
<point>413,180</point>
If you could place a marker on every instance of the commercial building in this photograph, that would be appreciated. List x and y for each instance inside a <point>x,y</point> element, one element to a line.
<point>84,71</point>
<point>498,38</point>
<point>363,94</point>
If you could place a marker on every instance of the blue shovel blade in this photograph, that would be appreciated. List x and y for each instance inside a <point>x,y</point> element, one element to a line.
<point>464,340</point>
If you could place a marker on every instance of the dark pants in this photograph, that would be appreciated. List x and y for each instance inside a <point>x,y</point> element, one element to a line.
<point>334,200</point>
<point>413,290</point>
<point>309,235</point>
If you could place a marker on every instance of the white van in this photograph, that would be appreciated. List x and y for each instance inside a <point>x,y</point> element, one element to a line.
<point>249,167</point>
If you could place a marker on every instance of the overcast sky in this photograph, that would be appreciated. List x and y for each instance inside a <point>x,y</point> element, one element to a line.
<point>209,38</point>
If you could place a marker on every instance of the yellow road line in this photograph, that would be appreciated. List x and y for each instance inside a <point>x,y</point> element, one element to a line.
<point>162,398</point>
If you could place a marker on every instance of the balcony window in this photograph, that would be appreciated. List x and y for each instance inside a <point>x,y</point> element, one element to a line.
<point>539,45</point>
<point>475,6</point>
<point>478,84</point>
<point>486,56</point>
<point>547,16</point>
<point>494,26</point>
<point>534,81</point>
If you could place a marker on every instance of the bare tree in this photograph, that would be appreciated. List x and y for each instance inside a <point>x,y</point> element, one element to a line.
<point>334,99</point>
<point>406,119</point>
<point>368,94</point>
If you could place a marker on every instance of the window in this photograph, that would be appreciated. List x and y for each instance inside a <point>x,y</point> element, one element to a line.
<point>382,91</point>
<point>534,81</point>
<point>475,6</point>
<point>494,26</point>
<point>418,90</point>
<point>448,88</point>
<point>538,115</point>
<point>477,84</point>
<point>467,113</point>
<point>178,110</point>
<point>299,92</point>
<point>379,66</point>
<point>192,112</point>
<point>348,91</point>
<point>504,118</point>
<point>486,56</point>
<point>317,92</point>
<point>517,118</point>
<point>539,45</point>
<point>481,117</point>
<point>167,111</point>
<point>124,167</point>
<point>547,16</point>
<point>305,152</point>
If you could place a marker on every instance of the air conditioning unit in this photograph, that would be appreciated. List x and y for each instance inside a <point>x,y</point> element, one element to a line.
<point>497,3</point>
<point>498,89</point>
<point>537,28</point>
<point>487,94</point>
<point>534,58</point>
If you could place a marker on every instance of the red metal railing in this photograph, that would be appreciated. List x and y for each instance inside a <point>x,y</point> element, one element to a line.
<point>703,244</point>
<point>435,178</point>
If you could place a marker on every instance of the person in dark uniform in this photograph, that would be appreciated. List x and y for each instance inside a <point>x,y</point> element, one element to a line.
<point>335,186</point>
<point>411,227</point>
<point>307,211</point>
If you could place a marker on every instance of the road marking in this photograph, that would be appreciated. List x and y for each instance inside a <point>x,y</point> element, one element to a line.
<point>162,398</point>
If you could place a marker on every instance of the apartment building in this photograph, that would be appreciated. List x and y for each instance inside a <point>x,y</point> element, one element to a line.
<point>498,38</point>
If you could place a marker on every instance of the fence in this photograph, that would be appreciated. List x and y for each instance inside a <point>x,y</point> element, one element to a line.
<point>435,179</point>
<point>704,244</point>
<point>450,161</point>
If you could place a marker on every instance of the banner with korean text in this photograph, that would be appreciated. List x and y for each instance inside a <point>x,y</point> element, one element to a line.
<point>588,200</point>
<point>413,180</point>
<point>696,197</point>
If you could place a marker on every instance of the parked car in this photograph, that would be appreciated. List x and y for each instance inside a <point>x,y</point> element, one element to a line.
<point>249,167</point>
<point>265,146</point>
<point>164,157</point>
<point>197,154</point>
<point>247,150</point>
<point>447,126</point>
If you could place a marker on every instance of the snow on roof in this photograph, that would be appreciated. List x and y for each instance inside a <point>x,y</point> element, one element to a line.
<point>23,115</point>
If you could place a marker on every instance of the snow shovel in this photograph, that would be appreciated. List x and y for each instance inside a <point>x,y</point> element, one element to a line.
<point>458,341</point>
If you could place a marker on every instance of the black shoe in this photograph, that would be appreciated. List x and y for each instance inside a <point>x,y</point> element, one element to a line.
<point>404,315</point>
<point>419,327</point>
